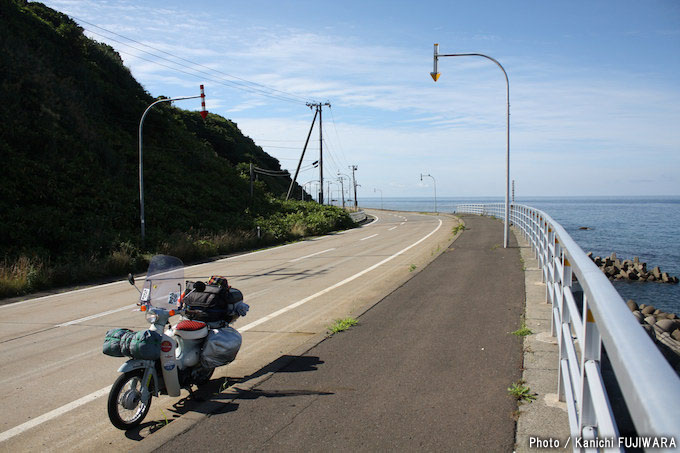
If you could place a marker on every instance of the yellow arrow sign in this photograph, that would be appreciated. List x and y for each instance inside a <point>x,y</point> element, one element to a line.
<point>435,76</point>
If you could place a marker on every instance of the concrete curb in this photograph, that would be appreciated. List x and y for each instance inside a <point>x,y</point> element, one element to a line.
<point>545,418</point>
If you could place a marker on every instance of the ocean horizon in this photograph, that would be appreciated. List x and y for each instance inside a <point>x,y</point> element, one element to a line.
<point>644,226</point>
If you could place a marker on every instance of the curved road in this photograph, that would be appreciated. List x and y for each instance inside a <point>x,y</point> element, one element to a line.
<point>54,379</point>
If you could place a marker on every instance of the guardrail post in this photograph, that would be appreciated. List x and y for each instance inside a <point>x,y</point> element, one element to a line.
<point>565,314</point>
<point>590,351</point>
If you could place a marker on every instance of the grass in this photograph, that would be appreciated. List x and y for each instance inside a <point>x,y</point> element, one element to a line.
<point>412,267</point>
<point>523,331</point>
<point>458,228</point>
<point>521,392</point>
<point>27,274</point>
<point>341,325</point>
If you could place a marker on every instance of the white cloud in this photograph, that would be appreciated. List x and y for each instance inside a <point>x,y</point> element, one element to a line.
<point>570,127</point>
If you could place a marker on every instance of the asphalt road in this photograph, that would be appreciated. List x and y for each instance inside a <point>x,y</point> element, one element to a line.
<point>426,369</point>
<point>54,380</point>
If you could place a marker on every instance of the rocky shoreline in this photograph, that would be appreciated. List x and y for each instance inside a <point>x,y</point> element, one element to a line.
<point>633,270</point>
<point>663,328</point>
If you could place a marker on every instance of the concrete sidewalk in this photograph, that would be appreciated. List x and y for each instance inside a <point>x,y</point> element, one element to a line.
<point>427,368</point>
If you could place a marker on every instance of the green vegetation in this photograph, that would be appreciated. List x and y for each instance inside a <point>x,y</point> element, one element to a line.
<point>412,267</point>
<point>70,193</point>
<point>342,324</point>
<point>458,228</point>
<point>521,392</point>
<point>522,331</point>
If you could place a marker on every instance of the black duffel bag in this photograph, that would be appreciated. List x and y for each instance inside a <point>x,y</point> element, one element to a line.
<point>214,303</point>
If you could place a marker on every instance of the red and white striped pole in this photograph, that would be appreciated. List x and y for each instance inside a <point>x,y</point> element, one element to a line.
<point>204,112</point>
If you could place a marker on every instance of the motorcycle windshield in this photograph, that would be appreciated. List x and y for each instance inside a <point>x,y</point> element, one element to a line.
<point>164,281</point>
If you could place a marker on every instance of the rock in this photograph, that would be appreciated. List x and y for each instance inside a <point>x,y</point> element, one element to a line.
<point>583,228</point>
<point>651,278</point>
<point>656,272</point>
<point>639,316</point>
<point>632,305</point>
<point>656,312</point>
<point>674,280</point>
<point>648,310</point>
<point>633,276</point>
<point>676,334</point>
<point>590,255</point>
<point>665,325</point>
<point>672,316</point>
<point>665,278</point>
<point>636,259</point>
<point>613,256</point>
<point>643,306</point>
<point>651,320</point>
<point>650,330</point>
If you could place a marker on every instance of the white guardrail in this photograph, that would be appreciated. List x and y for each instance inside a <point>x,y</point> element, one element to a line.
<point>588,313</point>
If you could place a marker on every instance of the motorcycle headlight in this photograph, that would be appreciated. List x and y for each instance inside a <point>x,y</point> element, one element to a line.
<point>151,317</point>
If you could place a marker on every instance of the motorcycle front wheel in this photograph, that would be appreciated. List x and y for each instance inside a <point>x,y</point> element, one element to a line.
<point>126,408</point>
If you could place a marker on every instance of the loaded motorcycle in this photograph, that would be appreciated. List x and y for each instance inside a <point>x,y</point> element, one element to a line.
<point>163,358</point>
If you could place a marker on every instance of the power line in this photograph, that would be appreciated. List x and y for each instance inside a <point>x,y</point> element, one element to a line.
<point>246,86</point>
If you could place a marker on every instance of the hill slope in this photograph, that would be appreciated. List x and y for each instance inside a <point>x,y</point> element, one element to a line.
<point>68,139</point>
<point>69,121</point>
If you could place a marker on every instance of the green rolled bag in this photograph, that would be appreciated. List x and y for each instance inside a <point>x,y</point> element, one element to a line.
<point>144,345</point>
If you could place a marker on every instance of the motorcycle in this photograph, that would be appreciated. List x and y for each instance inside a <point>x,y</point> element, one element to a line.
<point>164,359</point>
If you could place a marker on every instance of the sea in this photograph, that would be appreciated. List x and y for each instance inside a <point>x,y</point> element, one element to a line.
<point>646,227</point>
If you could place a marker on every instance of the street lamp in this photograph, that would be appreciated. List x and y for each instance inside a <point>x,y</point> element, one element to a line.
<point>381,198</point>
<point>141,162</point>
<point>435,189</point>
<point>435,76</point>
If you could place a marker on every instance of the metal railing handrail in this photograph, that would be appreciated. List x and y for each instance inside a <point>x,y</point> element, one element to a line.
<point>589,308</point>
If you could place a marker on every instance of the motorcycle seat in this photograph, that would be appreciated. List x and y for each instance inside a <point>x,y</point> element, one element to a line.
<point>191,330</point>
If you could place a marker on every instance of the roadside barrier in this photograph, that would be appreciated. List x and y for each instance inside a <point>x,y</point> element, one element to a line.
<point>589,315</point>
<point>358,216</point>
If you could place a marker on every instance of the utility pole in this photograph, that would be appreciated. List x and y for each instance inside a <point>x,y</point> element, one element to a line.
<point>319,108</point>
<point>292,182</point>
<point>342,191</point>
<point>354,180</point>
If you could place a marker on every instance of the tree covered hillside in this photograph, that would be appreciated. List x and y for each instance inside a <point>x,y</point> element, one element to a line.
<point>69,121</point>
<point>69,117</point>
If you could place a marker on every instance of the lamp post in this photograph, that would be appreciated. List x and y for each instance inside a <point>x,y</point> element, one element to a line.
<point>141,161</point>
<point>381,198</point>
<point>435,189</point>
<point>435,76</point>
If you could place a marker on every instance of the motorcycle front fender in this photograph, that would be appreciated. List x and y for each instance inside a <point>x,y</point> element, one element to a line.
<point>150,369</point>
<point>134,364</point>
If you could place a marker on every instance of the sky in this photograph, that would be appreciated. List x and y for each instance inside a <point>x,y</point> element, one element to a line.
<point>594,87</point>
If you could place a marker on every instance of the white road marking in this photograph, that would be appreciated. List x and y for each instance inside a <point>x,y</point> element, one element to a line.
<point>369,237</point>
<point>392,228</point>
<point>98,315</point>
<point>53,414</point>
<point>99,393</point>
<point>311,255</point>
<point>331,288</point>
<point>373,221</point>
<point>402,223</point>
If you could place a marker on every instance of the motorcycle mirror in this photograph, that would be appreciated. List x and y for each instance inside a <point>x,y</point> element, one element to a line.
<point>131,279</point>
<point>199,286</point>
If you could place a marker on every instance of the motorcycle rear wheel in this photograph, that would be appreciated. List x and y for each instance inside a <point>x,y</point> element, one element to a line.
<point>125,407</point>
